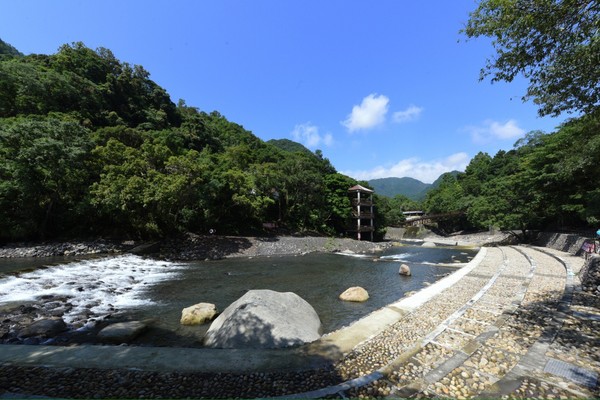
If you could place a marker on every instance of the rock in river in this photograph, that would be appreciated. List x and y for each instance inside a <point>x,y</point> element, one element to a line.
<point>198,314</point>
<point>47,327</point>
<point>122,332</point>
<point>264,319</point>
<point>355,293</point>
<point>404,270</point>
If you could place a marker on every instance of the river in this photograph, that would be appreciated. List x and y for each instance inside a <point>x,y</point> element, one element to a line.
<point>92,291</point>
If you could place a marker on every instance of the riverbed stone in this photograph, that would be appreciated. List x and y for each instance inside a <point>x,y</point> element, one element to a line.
<point>404,270</point>
<point>428,244</point>
<point>122,332</point>
<point>198,314</point>
<point>47,327</point>
<point>264,319</point>
<point>355,293</point>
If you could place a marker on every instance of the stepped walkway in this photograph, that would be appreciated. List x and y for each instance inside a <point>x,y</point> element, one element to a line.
<point>514,325</point>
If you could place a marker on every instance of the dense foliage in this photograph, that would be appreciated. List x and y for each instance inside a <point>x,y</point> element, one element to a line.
<point>548,181</point>
<point>90,145</point>
<point>555,44</point>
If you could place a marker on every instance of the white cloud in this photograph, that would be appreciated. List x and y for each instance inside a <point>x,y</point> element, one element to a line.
<point>309,135</point>
<point>370,113</point>
<point>410,114</point>
<point>491,130</point>
<point>425,171</point>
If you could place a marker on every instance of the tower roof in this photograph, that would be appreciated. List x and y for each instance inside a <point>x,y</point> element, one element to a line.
<point>358,188</point>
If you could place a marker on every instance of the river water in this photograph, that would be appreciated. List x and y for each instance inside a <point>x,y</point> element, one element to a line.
<point>131,287</point>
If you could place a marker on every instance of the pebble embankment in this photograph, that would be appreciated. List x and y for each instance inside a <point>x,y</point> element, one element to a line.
<point>517,325</point>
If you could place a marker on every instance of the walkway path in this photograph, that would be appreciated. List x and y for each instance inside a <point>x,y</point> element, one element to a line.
<point>515,325</point>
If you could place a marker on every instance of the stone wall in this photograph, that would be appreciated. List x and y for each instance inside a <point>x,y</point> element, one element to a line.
<point>590,275</point>
<point>567,242</point>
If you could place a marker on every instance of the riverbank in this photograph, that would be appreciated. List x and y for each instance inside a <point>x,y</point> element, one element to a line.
<point>212,247</point>
<point>195,247</point>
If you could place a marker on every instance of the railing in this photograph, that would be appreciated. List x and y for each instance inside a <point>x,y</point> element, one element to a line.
<point>365,202</point>
<point>365,215</point>
<point>361,229</point>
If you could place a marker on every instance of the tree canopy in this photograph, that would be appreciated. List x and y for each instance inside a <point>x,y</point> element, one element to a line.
<point>547,181</point>
<point>555,44</point>
<point>90,145</point>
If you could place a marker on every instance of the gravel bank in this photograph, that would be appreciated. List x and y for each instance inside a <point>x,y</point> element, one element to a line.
<point>194,247</point>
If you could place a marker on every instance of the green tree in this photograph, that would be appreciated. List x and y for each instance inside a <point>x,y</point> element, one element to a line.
<point>476,174</point>
<point>152,188</point>
<point>337,203</point>
<point>43,176</point>
<point>449,198</point>
<point>564,167</point>
<point>555,44</point>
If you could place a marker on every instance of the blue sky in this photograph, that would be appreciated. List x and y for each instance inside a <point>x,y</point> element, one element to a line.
<point>383,88</point>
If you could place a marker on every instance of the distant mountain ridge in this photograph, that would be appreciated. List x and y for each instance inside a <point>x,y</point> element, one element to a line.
<point>412,188</point>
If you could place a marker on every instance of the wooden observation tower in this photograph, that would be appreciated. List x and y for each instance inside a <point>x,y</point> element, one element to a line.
<point>362,211</point>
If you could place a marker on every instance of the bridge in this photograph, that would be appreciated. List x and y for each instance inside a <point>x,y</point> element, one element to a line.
<point>419,218</point>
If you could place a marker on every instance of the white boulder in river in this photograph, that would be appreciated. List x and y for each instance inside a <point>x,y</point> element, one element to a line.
<point>264,319</point>
<point>355,293</point>
<point>404,270</point>
<point>198,314</point>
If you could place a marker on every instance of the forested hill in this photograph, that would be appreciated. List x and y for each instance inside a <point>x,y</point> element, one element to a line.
<point>90,145</point>
<point>412,188</point>
<point>289,145</point>
<point>8,50</point>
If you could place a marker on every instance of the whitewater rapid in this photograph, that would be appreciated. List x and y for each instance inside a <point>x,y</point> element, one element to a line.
<point>90,289</point>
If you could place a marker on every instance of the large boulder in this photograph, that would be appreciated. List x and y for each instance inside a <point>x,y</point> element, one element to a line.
<point>198,314</point>
<point>355,293</point>
<point>122,332</point>
<point>428,244</point>
<point>264,319</point>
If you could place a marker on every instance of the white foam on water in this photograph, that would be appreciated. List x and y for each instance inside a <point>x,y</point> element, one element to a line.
<point>453,264</point>
<point>355,255</point>
<point>397,257</point>
<point>102,286</point>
